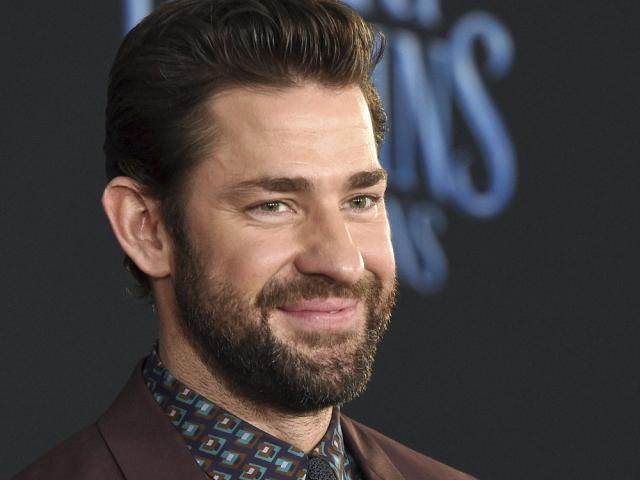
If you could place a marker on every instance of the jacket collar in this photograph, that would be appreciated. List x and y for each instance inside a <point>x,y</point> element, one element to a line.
<point>372,459</point>
<point>143,442</point>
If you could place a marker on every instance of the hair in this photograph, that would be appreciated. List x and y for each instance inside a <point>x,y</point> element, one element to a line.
<point>186,51</point>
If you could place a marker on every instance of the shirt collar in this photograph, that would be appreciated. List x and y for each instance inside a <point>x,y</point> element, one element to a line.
<point>225,446</point>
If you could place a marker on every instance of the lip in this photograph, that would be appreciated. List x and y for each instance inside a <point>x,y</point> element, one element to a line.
<point>321,313</point>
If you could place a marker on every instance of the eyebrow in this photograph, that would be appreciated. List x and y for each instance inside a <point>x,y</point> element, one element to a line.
<point>274,184</point>
<point>300,184</point>
<point>367,179</point>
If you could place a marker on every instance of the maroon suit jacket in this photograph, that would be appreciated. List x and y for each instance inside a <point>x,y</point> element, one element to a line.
<point>134,440</point>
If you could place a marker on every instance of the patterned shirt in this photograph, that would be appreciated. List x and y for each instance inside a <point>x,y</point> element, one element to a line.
<point>226,447</point>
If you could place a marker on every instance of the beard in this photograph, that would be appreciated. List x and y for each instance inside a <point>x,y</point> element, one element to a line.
<point>233,337</point>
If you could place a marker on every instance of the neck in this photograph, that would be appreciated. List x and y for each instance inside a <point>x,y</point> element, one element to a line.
<point>302,430</point>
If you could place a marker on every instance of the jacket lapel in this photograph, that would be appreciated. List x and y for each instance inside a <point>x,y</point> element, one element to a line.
<point>142,440</point>
<point>371,458</point>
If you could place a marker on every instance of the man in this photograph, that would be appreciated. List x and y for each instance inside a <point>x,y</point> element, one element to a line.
<point>246,192</point>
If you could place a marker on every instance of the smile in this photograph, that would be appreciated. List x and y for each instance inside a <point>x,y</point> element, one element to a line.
<point>321,313</point>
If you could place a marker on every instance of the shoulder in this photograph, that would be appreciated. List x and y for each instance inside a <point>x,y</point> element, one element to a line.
<point>410,463</point>
<point>83,455</point>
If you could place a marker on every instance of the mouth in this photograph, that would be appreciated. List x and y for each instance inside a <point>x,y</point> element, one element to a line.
<point>321,313</point>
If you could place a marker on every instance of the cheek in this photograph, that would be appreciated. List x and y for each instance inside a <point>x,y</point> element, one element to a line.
<point>248,260</point>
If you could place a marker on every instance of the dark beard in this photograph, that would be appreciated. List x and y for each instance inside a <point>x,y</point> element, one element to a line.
<point>234,339</point>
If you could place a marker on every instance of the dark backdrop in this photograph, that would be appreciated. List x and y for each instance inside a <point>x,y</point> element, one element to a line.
<point>524,366</point>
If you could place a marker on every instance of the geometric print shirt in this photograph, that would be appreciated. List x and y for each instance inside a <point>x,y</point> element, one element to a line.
<point>226,447</point>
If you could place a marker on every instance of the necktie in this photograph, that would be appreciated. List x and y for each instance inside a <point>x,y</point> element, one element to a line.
<point>319,469</point>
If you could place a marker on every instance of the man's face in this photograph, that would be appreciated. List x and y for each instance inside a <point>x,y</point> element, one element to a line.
<point>285,275</point>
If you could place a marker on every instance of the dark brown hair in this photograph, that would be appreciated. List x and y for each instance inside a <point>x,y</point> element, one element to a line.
<point>186,51</point>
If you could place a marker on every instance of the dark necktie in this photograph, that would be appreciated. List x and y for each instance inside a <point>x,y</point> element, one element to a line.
<point>319,469</point>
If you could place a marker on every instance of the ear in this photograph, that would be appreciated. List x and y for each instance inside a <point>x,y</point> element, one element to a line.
<point>137,224</point>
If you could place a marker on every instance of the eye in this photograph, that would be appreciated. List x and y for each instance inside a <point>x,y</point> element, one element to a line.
<point>363,202</point>
<point>272,207</point>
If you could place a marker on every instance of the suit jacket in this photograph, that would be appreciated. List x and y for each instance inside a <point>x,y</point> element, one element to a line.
<point>134,440</point>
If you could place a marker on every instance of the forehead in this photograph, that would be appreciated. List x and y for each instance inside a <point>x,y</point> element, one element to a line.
<point>289,128</point>
<point>297,107</point>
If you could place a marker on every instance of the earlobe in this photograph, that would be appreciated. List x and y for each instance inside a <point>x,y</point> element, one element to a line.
<point>137,224</point>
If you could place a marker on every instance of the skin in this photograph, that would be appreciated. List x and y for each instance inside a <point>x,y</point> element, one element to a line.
<point>248,234</point>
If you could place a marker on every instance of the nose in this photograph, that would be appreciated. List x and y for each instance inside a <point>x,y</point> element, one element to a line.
<point>329,250</point>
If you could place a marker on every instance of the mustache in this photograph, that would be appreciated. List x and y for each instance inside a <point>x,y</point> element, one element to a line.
<point>277,292</point>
